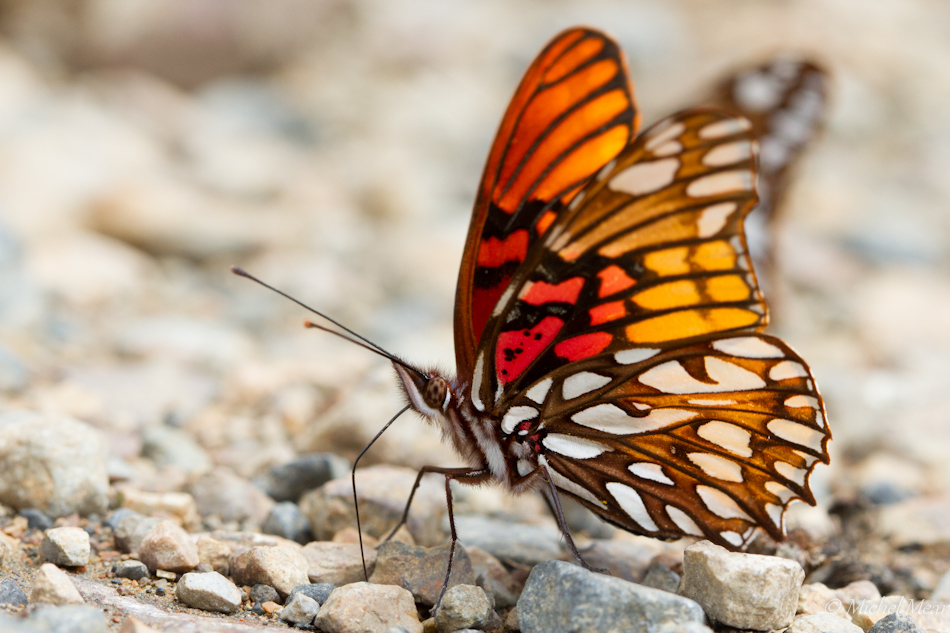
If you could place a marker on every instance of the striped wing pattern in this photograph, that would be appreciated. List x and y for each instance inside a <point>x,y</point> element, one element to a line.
<point>710,439</point>
<point>649,253</point>
<point>572,113</point>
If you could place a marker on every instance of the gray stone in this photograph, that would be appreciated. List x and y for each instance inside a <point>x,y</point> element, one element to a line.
<point>264,593</point>
<point>383,491</point>
<point>661,577</point>
<point>745,591</point>
<point>492,576</point>
<point>823,623</point>
<point>10,594</point>
<point>168,547</point>
<point>895,623</point>
<point>282,568</point>
<point>14,624</point>
<point>13,373</point>
<point>51,585</point>
<point>362,606</point>
<point>169,446</point>
<point>300,610</point>
<point>209,591</point>
<point>35,519</point>
<point>421,570</point>
<point>285,519</point>
<point>223,494</point>
<point>131,569</point>
<point>179,506</point>
<point>524,544</point>
<point>117,516</point>
<point>69,619</point>
<point>66,546</point>
<point>921,521</point>
<point>53,463</point>
<point>288,482</point>
<point>337,563</point>
<point>563,598</point>
<point>318,591</point>
<point>463,607</point>
<point>131,530</point>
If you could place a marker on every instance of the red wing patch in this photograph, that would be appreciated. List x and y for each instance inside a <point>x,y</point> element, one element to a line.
<point>517,349</point>
<point>583,346</point>
<point>494,252</point>
<point>613,279</point>
<point>540,292</point>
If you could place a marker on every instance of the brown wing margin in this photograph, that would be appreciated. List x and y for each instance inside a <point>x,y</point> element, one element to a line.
<point>573,112</point>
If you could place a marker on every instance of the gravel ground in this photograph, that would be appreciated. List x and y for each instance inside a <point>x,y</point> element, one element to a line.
<point>168,410</point>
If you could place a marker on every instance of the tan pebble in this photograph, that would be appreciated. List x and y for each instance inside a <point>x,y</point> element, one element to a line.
<point>270,606</point>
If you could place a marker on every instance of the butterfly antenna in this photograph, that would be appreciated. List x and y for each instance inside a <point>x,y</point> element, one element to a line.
<point>356,502</point>
<point>353,337</point>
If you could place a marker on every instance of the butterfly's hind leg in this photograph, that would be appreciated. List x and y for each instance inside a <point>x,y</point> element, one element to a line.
<point>554,504</point>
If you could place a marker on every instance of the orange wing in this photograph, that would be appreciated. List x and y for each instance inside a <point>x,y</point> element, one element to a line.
<point>573,112</point>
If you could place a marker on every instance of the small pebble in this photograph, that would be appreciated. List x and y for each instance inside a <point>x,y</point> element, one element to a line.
<point>167,575</point>
<point>896,623</point>
<point>71,618</point>
<point>286,520</point>
<point>270,606</point>
<point>224,495</point>
<point>131,528</point>
<point>290,481</point>
<point>560,598</point>
<point>214,553</point>
<point>179,505</point>
<point>131,569</point>
<point>210,592</point>
<point>10,594</point>
<point>363,606</point>
<point>300,610</point>
<point>66,546</point>
<point>36,520</point>
<point>661,577</point>
<point>337,563</point>
<point>134,625</point>
<point>169,446</point>
<point>822,623</point>
<point>282,568</point>
<point>745,591</point>
<point>168,547</point>
<point>421,570</point>
<point>318,591</point>
<point>463,607</point>
<point>264,593</point>
<point>51,585</point>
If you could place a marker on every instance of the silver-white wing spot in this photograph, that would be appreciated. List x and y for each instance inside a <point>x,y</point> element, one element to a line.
<point>634,355</point>
<point>712,402</point>
<point>787,369</point>
<point>797,433</point>
<point>610,418</point>
<point>728,154</point>
<point>720,183</point>
<point>800,401</point>
<point>631,503</point>
<point>714,218</point>
<point>672,377</point>
<point>581,383</point>
<point>726,127</point>
<point>515,415</point>
<point>717,466</point>
<point>477,382</point>
<point>721,504</point>
<point>757,91</point>
<point>540,390</point>
<point>733,438</point>
<point>779,491</point>
<point>775,513</point>
<point>575,447</point>
<point>651,471</point>
<point>791,473</point>
<point>733,537</point>
<point>564,483</point>
<point>683,521</point>
<point>669,148</point>
<point>646,177</point>
<point>747,347</point>
<point>661,136</point>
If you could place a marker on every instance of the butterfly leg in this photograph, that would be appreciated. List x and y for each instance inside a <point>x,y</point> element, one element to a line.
<point>554,503</point>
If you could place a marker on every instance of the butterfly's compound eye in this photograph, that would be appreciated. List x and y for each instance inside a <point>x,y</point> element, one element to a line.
<point>436,393</point>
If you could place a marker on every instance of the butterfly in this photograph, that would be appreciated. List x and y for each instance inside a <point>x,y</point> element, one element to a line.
<point>786,101</point>
<point>608,322</point>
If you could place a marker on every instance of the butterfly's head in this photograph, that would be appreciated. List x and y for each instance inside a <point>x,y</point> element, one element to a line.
<point>428,392</point>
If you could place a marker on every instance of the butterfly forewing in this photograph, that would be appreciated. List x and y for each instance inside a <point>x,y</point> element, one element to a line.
<point>649,253</point>
<point>709,439</point>
<point>572,113</point>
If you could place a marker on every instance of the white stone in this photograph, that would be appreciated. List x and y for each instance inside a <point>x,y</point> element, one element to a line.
<point>209,591</point>
<point>361,607</point>
<point>300,610</point>
<point>66,546</point>
<point>745,591</point>
<point>51,585</point>
<point>282,568</point>
<point>822,623</point>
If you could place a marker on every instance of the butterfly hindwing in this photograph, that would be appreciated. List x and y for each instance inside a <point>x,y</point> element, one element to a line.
<point>649,253</point>
<point>573,112</point>
<point>709,439</point>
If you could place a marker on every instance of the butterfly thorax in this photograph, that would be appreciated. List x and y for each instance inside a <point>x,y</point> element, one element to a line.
<point>476,436</point>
